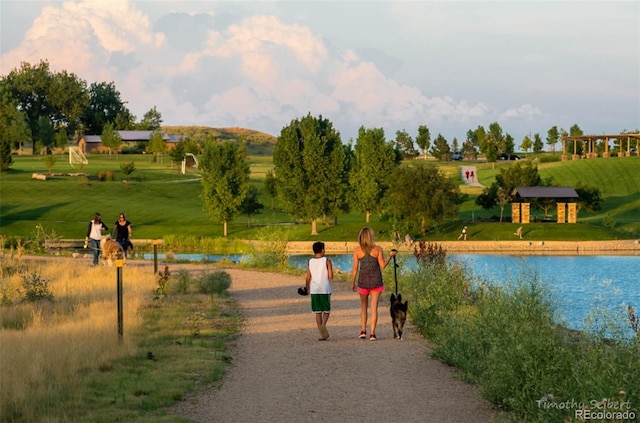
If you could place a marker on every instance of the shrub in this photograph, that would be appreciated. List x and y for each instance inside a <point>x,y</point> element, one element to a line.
<point>42,240</point>
<point>549,158</point>
<point>214,283</point>
<point>106,176</point>
<point>182,281</point>
<point>505,338</point>
<point>272,251</point>
<point>436,290</point>
<point>35,288</point>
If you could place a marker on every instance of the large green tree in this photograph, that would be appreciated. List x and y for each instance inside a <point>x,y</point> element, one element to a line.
<point>374,161</point>
<point>105,106</point>
<point>151,120</point>
<point>110,138</point>
<point>69,98</point>
<point>553,135</point>
<point>470,146</point>
<point>13,128</point>
<point>493,143</point>
<point>440,148</point>
<point>404,143</point>
<point>309,162</point>
<point>225,180</point>
<point>271,187</point>
<point>28,87</point>
<point>157,145</point>
<point>39,93</point>
<point>424,139</point>
<point>537,143</point>
<point>251,204</point>
<point>422,197</point>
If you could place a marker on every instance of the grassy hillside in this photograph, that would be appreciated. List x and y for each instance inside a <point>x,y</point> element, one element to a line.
<point>159,201</point>
<point>197,132</point>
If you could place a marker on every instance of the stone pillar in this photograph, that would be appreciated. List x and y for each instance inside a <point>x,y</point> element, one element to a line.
<point>573,213</point>
<point>515,212</point>
<point>561,212</point>
<point>524,212</point>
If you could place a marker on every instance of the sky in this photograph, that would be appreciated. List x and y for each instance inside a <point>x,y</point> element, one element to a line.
<point>396,65</point>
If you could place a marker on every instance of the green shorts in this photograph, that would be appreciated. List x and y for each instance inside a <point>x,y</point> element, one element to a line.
<point>321,303</point>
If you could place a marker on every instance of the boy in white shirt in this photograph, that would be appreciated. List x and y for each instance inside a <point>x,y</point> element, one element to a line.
<point>318,282</point>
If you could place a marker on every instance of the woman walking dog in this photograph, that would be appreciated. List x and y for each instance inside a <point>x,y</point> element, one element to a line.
<point>368,262</point>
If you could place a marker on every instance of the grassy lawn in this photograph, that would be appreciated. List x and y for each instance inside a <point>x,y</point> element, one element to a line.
<point>160,200</point>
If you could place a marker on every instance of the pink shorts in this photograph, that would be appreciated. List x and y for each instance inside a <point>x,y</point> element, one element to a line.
<point>365,291</point>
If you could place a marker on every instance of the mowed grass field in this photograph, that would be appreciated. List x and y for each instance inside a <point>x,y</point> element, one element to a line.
<point>159,201</point>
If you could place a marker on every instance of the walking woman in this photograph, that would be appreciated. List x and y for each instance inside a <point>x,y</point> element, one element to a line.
<point>122,233</point>
<point>368,262</point>
<point>93,236</point>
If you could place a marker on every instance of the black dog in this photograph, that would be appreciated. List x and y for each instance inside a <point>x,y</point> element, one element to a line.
<point>398,311</point>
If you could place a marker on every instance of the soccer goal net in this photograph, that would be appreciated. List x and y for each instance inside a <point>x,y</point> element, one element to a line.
<point>76,157</point>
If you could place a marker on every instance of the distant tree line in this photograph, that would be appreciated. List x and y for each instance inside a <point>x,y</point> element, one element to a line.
<point>318,177</point>
<point>48,108</point>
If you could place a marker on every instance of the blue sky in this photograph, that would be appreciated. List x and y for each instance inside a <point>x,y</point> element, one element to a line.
<point>450,65</point>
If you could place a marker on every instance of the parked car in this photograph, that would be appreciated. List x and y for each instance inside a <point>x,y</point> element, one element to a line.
<point>457,156</point>
<point>505,156</point>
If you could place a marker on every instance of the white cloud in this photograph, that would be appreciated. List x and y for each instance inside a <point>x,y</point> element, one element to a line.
<point>449,65</point>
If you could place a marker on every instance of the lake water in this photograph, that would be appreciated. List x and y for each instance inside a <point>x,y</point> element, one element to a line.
<point>579,284</point>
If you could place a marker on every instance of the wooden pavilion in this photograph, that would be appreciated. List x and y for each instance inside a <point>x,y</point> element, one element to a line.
<point>566,197</point>
<point>629,145</point>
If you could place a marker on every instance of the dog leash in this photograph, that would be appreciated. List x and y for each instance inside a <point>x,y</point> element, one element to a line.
<point>395,272</point>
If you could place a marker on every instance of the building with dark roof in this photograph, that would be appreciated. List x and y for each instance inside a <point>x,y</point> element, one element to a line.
<point>565,197</point>
<point>93,143</point>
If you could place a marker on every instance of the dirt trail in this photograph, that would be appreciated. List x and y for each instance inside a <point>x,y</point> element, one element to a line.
<point>282,373</point>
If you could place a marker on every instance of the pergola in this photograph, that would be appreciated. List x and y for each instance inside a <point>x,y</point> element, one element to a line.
<point>565,197</point>
<point>589,144</point>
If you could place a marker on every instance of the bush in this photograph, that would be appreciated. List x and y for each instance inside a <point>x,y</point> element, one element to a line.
<point>436,290</point>
<point>182,281</point>
<point>549,158</point>
<point>214,283</point>
<point>272,252</point>
<point>106,176</point>
<point>505,338</point>
<point>35,288</point>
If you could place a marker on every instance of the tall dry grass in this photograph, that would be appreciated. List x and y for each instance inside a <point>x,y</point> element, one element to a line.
<point>47,345</point>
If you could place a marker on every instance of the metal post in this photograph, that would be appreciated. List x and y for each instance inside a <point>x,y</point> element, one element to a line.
<point>119,264</point>
<point>155,256</point>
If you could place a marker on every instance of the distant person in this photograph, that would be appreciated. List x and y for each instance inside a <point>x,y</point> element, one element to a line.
<point>408,240</point>
<point>396,237</point>
<point>518,232</point>
<point>94,234</point>
<point>466,174</point>
<point>122,233</point>
<point>318,282</point>
<point>463,234</point>
<point>368,262</point>
<point>472,176</point>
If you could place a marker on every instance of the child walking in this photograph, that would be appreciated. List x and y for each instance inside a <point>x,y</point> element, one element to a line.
<point>318,281</point>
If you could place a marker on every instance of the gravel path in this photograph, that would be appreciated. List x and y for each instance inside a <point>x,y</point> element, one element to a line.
<point>282,373</point>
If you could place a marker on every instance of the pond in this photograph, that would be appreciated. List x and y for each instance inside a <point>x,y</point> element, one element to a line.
<point>580,285</point>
